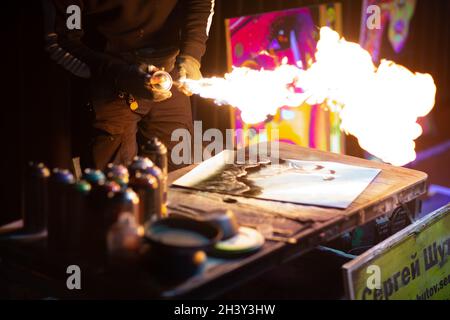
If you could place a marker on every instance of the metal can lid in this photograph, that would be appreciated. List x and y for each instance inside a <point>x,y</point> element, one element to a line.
<point>139,164</point>
<point>155,145</point>
<point>117,173</point>
<point>154,171</point>
<point>62,176</point>
<point>127,196</point>
<point>111,186</point>
<point>82,186</point>
<point>38,170</point>
<point>93,176</point>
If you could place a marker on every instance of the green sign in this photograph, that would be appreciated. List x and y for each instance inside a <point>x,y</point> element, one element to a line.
<point>412,264</point>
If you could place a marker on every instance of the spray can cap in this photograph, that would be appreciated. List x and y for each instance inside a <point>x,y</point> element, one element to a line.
<point>62,176</point>
<point>94,177</point>
<point>38,170</point>
<point>117,173</point>
<point>155,145</point>
<point>82,187</point>
<point>139,164</point>
<point>127,196</point>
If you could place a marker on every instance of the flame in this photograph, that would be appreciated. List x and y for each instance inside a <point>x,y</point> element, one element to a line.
<point>378,105</point>
<point>257,93</point>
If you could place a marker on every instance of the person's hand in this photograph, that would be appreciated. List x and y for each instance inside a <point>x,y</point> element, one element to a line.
<point>160,95</point>
<point>135,80</point>
<point>187,68</point>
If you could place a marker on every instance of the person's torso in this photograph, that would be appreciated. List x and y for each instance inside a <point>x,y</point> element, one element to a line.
<point>134,24</point>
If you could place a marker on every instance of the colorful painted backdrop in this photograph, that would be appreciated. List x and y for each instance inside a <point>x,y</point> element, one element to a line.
<point>395,16</point>
<point>263,41</point>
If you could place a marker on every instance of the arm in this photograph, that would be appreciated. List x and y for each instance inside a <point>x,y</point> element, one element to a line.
<point>195,31</point>
<point>196,24</point>
<point>65,46</point>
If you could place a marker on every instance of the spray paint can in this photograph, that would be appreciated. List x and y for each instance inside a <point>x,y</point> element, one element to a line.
<point>99,201</point>
<point>77,213</point>
<point>123,243</point>
<point>156,151</point>
<point>146,187</point>
<point>145,166</point>
<point>117,173</point>
<point>126,200</point>
<point>36,198</point>
<point>96,201</point>
<point>123,233</point>
<point>161,205</point>
<point>57,227</point>
<point>139,164</point>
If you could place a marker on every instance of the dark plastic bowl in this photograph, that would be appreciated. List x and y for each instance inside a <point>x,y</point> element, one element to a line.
<point>208,232</point>
<point>176,262</point>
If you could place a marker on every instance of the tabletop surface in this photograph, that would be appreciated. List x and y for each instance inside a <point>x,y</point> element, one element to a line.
<point>308,226</point>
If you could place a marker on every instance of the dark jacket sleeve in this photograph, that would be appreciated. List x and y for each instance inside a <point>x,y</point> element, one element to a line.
<point>66,47</point>
<point>195,29</point>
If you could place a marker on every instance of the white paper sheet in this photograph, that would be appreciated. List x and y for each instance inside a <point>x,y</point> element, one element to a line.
<point>318,183</point>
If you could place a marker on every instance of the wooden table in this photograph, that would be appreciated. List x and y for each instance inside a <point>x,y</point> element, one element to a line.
<point>308,225</point>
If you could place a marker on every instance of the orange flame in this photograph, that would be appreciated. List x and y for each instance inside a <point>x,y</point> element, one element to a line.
<point>257,93</point>
<point>378,105</point>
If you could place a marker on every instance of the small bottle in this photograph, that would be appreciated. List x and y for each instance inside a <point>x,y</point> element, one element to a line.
<point>124,237</point>
<point>124,243</point>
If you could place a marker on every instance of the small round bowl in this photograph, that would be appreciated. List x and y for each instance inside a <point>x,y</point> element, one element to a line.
<point>179,235</point>
<point>177,247</point>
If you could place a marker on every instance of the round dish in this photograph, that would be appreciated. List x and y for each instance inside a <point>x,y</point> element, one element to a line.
<point>183,235</point>
<point>246,241</point>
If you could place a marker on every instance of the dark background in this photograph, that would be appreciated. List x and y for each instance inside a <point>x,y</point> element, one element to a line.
<point>42,115</point>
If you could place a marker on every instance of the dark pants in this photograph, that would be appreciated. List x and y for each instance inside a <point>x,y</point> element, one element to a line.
<point>118,131</point>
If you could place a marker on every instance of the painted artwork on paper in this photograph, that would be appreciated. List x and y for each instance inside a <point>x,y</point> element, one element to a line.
<point>317,183</point>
